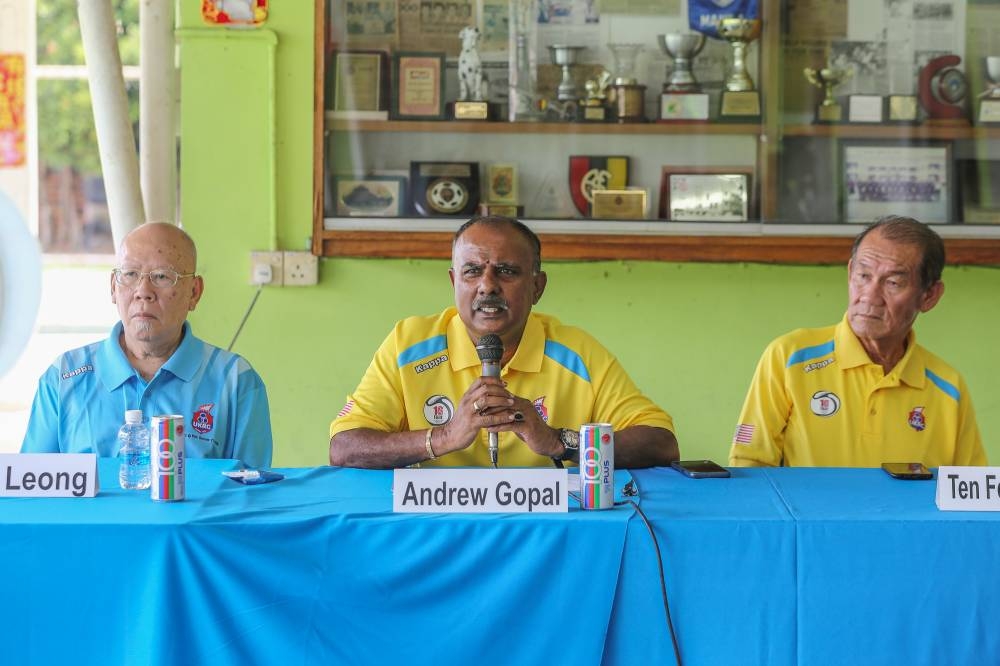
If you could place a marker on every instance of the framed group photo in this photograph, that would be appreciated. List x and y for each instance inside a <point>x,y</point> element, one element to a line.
<point>883,178</point>
<point>717,194</point>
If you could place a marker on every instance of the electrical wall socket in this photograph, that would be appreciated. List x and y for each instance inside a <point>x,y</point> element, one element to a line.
<point>267,268</point>
<point>301,269</point>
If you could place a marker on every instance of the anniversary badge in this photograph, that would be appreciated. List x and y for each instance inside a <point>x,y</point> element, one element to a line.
<point>444,188</point>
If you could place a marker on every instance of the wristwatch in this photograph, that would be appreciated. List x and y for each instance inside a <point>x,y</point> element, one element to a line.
<point>571,441</point>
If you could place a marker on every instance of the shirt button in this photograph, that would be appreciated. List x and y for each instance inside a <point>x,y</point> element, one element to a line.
<point>874,411</point>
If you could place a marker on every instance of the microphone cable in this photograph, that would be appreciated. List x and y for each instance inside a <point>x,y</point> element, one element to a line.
<point>631,490</point>
<point>659,564</point>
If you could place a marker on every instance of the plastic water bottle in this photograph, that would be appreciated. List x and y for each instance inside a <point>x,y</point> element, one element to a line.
<point>133,454</point>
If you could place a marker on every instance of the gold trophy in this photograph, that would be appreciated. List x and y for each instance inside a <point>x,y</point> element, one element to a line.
<point>989,104</point>
<point>828,78</point>
<point>627,96</point>
<point>593,107</point>
<point>739,100</point>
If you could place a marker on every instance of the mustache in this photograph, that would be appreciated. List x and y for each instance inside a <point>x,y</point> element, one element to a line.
<point>489,302</point>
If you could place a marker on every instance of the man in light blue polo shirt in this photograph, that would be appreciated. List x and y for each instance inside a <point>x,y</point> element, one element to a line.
<point>153,362</point>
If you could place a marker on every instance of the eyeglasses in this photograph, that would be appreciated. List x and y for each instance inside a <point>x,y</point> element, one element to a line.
<point>161,278</point>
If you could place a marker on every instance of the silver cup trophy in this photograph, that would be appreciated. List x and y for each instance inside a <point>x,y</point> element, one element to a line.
<point>682,47</point>
<point>565,56</point>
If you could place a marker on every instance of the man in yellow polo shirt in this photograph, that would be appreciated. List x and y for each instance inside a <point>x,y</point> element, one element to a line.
<point>863,392</point>
<point>423,399</point>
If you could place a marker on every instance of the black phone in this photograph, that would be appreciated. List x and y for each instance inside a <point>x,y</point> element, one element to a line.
<point>907,470</point>
<point>700,469</point>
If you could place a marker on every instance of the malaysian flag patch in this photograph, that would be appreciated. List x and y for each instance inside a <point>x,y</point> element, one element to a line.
<point>347,409</point>
<point>743,434</point>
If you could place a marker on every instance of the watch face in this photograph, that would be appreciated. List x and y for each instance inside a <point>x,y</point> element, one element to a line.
<point>570,438</point>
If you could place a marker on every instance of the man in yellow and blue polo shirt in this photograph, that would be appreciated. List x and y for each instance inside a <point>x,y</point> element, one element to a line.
<point>423,399</point>
<point>863,392</point>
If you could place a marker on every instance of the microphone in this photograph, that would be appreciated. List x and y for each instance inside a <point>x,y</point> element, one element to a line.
<point>490,350</point>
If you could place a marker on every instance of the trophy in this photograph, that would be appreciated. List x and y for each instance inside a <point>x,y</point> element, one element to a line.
<point>565,56</point>
<point>828,78</point>
<point>989,104</point>
<point>627,95</point>
<point>739,100</point>
<point>473,97</point>
<point>593,107</point>
<point>682,98</point>
<point>682,47</point>
<point>522,62</point>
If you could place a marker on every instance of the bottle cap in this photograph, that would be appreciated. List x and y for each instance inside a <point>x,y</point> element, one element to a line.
<point>133,416</point>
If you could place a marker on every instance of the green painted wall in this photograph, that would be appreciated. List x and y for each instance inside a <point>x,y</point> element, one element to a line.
<point>690,334</point>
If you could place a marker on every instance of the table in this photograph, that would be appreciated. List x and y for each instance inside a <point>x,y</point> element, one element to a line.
<point>779,566</point>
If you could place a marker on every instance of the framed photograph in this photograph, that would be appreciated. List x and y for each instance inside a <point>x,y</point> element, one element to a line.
<point>501,183</point>
<point>370,196</point>
<point>879,178</point>
<point>359,83</point>
<point>706,194</point>
<point>418,86</point>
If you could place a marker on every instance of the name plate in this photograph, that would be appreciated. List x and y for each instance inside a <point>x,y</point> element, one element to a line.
<point>48,475</point>
<point>461,490</point>
<point>968,489</point>
<point>684,106</point>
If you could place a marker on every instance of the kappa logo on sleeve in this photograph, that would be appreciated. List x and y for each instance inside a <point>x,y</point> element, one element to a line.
<point>202,419</point>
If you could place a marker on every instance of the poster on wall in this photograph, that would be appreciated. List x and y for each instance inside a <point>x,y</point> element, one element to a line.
<point>12,128</point>
<point>234,12</point>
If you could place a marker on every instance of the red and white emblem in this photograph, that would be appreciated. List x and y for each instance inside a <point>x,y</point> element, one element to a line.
<point>202,419</point>
<point>540,407</point>
<point>916,419</point>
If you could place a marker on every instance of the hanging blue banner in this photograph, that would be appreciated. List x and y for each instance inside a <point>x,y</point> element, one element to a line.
<point>704,15</point>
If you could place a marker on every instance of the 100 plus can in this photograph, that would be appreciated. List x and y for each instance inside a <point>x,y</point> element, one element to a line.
<point>597,466</point>
<point>166,440</point>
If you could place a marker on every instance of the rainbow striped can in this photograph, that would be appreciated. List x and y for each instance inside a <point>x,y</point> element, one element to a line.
<point>166,444</point>
<point>597,466</point>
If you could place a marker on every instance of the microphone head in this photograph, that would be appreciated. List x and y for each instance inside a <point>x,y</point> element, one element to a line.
<point>490,348</point>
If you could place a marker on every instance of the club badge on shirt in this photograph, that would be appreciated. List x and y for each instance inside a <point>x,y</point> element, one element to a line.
<point>916,419</point>
<point>824,403</point>
<point>540,407</point>
<point>438,410</point>
<point>202,419</point>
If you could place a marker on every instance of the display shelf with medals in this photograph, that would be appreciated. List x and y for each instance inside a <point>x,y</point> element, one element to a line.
<point>783,98</point>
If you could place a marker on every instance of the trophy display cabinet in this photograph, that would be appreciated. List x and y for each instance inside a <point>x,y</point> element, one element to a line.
<point>658,131</point>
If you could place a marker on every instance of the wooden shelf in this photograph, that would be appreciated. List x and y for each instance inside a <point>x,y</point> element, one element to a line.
<point>901,132</point>
<point>610,247</point>
<point>473,127</point>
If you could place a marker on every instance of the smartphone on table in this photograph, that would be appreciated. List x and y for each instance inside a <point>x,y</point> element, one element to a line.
<point>907,470</point>
<point>700,469</point>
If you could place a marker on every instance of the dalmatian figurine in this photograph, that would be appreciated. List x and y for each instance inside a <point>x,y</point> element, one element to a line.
<point>473,85</point>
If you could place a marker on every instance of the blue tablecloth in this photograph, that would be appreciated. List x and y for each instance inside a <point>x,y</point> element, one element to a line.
<point>768,567</point>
